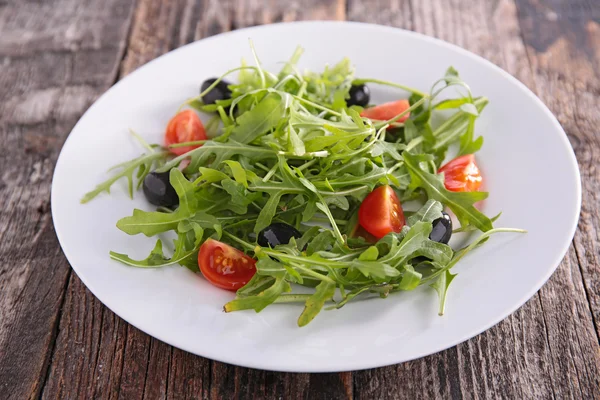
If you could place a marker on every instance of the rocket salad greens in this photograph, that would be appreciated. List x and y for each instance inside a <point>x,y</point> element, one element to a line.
<point>296,179</point>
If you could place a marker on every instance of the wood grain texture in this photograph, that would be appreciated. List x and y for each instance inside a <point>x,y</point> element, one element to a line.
<point>566,78</point>
<point>53,64</point>
<point>58,341</point>
<point>566,72</point>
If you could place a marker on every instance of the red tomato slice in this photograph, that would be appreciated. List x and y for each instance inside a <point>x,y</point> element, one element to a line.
<point>381,212</point>
<point>462,174</point>
<point>224,266</point>
<point>386,111</point>
<point>184,127</point>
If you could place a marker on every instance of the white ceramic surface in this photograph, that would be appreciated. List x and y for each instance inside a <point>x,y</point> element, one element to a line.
<point>529,166</point>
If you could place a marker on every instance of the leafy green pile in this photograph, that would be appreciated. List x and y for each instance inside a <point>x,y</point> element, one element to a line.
<point>286,148</point>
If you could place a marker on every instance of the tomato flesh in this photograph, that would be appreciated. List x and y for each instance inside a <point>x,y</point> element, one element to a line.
<point>462,174</point>
<point>381,212</point>
<point>184,127</point>
<point>224,266</point>
<point>386,111</point>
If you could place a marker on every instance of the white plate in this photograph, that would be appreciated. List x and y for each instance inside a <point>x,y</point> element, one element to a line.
<point>529,166</point>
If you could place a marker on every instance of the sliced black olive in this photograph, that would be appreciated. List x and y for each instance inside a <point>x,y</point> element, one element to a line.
<point>442,229</point>
<point>219,92</point>
<point>277,233</point>
<point>359,96</point>
<point>158,190</point>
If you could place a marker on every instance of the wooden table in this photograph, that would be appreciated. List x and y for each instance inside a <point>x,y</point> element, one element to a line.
<point>58,341</point>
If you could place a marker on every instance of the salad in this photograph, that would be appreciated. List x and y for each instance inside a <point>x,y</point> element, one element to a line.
<point>298,179</point>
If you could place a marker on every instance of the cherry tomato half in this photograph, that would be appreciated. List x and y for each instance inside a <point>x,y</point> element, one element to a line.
<point>224,266</point>
<point>462,174</point>
<point>386,111</point>
<point>381,213</point>
<point>184,127</point>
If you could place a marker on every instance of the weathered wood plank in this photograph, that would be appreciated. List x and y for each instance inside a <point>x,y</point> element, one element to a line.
<point>565,53</point>
<point>155,31</point>
<point>189,376</point>
<point>256,12</point>
<point>85,344</point>
<point>160,27</point>
<point>49,74</point>
<point>157,381</point>
<point>562,41</point>
<point>133,365</point>
<point>228,381</point>
<point>138,365</point>
<point>129,364</point>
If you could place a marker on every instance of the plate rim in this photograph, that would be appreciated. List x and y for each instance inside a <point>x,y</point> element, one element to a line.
<point>259,363</point>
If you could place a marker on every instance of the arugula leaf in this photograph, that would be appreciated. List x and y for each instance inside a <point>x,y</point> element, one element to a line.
<point>467,144</point>
<point>441,287</point>
<point>190,235</point>
<point>452,103</point>
<point>410,278</point>
<point>239,173</point>
<point>374,288</point>
<point>370,254</point>
<point>152,223</point>
<point>309,211</point>
<point>340,202</point>
<point>370,179</point>
<point>471,228</point>
<point>256,285</point>
<point>295,144</point>
<point>214,153</point>
<point>143,164</point>
<point>376,270</point>
<point>288,69</point>
<point>431,211</point>
<point>402,246</point>
<point>323,241</point>
<point>470,108</point>
<point>390,149</point>
<point>459,125</point>
<point>260,301</point>
<point>209,175</point>
<point>259,120</point>
<point>156,258</point>
<point>437,252</point>
<point>275,190</point>
<point>185,191</point>
<point>269,267</point>
<point>461,203</point>
<point>324,292</point>
<point>239,196</point>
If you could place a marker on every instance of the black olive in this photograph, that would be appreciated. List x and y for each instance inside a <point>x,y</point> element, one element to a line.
<point>359,96</point>
<point>442,229</point>
<point>219,92</point>
<point>277,233</point>
<point>158,190</point>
